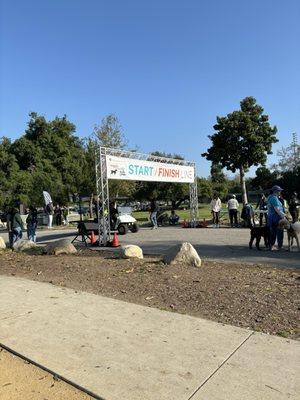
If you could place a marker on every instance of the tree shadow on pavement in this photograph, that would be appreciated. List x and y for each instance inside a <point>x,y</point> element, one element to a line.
<point>234,253</point>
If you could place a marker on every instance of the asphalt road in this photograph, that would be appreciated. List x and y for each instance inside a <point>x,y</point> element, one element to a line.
<point>223,244</point>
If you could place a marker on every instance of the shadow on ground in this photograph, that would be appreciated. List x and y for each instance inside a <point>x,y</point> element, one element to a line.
<point>51,237</point>
<point>234,253</point>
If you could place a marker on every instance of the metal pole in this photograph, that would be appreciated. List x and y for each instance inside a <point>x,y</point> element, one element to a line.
<point>97,169</point>
<point>194,201</point>
<point>104,229</point>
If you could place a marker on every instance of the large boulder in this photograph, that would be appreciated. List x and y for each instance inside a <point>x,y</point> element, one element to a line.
<point>23,245</point>
<point>131,251</point>
<point>2,243</point>
<point>183,253</point>
<point>61,246</point>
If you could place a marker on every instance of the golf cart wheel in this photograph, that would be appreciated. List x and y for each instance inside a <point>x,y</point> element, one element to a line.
<point>165,222</point>
<point>134,228</point>
<point>122,229</point>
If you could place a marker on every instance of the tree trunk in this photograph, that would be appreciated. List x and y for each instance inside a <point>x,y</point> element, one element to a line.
<point>243,185</point>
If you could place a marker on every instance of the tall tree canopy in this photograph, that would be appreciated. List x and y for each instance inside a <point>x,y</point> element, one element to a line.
<point>48,156</point>
<point>264,179</point>
<point>243,138</point>
<point>218,180</point>
<point>108,134</point>
<point>289,157</point>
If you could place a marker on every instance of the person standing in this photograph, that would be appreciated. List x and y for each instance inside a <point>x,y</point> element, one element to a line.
<point>275,214</point>
<point>153,214</point>
<point>32,222</point>
<point>174,218</point>
<point>247,215</point>
<point>9,217</point>
<point>215,206</point>
<point>262,205</point>
<point>49,212</point>
<point>283,202</point>
<point>48,208</point>
<point>14,226</point>
<point>65,212</point>
<point>294,205</point>
<point>233,207</point>
<point>58,215</point>
<point>113,214</point>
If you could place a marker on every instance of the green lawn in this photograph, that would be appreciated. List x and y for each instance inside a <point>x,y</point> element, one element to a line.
<point>204,212</point>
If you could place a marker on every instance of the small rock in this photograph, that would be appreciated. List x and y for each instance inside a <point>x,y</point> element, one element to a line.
<point>128,271</point>
<point>61,246</point>
<point>24,244</point>
<point>183,253</point>
<point>131,251</point>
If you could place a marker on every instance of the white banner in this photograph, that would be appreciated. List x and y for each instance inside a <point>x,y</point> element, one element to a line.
<point>139,170</point>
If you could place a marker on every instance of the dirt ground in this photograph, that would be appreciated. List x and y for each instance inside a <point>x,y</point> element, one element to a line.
<point>260,298</point>
<point>20,380</point>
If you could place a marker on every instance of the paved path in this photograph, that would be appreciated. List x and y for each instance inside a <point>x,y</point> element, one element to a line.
<point>218,244</point>
<point>119,350</point>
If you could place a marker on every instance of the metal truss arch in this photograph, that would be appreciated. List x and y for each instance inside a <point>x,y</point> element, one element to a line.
<point>103,189</point>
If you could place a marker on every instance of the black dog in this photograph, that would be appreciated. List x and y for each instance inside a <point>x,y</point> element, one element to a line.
<point>257,232</point>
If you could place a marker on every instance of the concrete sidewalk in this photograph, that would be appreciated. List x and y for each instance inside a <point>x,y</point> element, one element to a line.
<point>125,351</point>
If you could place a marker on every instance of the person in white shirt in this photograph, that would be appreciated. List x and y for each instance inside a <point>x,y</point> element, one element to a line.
<point>233,207</point>
<point>215,206</point>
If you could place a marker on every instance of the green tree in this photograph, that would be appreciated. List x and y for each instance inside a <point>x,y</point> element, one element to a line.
<point>243,138</point>
<point>89,183</point>
<point>264,178</point>
<point>290,181</point>
<point>49,156</point>
<point>205,188</point>
<point>8,169</point>
<point>289,157</point>
<point>234,185</point>
<point>110,133</point>
<point>15,183</point>
<point>218,180</point>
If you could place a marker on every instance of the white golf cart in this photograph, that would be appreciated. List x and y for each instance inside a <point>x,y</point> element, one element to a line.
<point>125,221</point>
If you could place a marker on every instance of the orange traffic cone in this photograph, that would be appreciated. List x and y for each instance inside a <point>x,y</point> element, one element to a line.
<point>115,241</point>
<point>93,238</point>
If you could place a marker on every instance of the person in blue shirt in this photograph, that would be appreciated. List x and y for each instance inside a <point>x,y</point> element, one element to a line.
<point>276,212</point>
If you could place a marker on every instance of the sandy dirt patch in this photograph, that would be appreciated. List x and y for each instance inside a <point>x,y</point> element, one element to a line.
<point>20,380</point>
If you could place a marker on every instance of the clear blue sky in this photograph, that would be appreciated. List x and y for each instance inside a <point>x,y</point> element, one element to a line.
<point>166,68</point>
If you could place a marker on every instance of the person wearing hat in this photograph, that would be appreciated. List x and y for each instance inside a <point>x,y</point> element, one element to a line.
<point>275,214</point>
<point>233,207</point>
